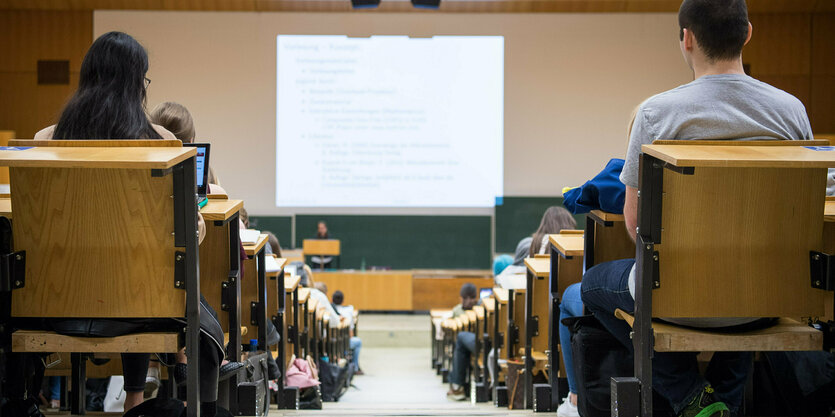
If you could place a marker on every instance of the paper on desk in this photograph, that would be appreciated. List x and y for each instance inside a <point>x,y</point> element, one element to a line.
<point>249,236</point>
<point>270,264</point>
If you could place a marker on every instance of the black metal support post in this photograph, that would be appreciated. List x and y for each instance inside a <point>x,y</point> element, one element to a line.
<point>233,288</point>
<point>295,334</point>
<point>651,183</point>
<point>553,328</point>
<point>588,243</point>
<point>185,189</point>
<point>262,300</point>
<point>78,397</point>
<point>279,325</point>
<point>528,388</point>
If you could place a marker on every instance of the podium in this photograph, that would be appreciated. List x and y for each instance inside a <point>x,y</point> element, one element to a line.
<point>322,248</point>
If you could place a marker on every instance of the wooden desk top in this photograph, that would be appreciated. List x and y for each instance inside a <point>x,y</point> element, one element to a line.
<point>452,273</point>
<point>479,312</point>
<point>6,207</point>
<point>220,210</point>
<point>489,303</point>
<point>501,295</point>
<point>472,315</point>
<point>130,158</point>
<point>312,303</point>
<point>281,263</point>
<point>304,295</point>
<point>438,312</point>
<point>541,267</point>
<point>568,245</point>
<point>358,272</point>
<point>828,211</point>
<point>606,216</point>
<point>741,156</point>
<point>292,283</point>
<point>252,250</point>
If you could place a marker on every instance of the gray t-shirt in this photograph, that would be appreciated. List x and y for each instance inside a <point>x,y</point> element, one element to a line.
<point>714,107</point>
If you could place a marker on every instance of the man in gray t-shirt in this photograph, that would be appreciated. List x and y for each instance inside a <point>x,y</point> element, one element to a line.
<point>721,104</point>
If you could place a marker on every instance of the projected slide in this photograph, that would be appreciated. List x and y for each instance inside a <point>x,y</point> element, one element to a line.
<point>389,121</point>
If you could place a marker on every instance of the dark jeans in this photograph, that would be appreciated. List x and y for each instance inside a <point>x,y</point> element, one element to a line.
<point>464,347</point>
<point>675,375</point>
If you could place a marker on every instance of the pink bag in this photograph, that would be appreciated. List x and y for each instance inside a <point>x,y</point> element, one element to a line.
<point>299,374</point>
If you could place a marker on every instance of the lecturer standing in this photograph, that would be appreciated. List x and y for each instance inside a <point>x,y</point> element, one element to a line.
<point>322,233</point>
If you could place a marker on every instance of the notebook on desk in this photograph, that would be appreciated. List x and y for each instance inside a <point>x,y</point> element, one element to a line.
<point>249,236</point>
<point>201,163</point>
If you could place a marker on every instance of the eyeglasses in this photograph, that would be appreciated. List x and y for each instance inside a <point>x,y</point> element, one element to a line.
<point>147,82</point>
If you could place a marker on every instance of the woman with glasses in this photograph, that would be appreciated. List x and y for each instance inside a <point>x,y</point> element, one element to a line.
<point>110,104</point>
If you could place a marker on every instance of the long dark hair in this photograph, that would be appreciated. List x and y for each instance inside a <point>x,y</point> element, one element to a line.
<point>555,219</point>
<point>110,100</point>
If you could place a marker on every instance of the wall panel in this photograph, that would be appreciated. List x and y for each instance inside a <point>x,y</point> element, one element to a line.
<point>29,36</point>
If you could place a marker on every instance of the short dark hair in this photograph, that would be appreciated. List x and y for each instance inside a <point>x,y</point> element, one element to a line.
<point>720,26</point>
<point>469,290</point>
<point>338,297</point>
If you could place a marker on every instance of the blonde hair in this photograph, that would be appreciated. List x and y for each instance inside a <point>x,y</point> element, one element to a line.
<point>175,118</point>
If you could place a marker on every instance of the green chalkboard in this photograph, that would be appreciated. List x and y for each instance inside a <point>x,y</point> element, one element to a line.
<point>518,217</point>
<point>406,242</point>
<point>280,225</point>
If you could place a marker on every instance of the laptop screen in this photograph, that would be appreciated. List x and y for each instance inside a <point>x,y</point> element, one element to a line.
<point>202,166</point>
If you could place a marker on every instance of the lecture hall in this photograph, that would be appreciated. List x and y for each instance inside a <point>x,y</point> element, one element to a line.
<point>571,208</point>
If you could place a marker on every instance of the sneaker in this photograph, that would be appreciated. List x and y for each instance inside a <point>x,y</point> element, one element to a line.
<point>566,409</point>
<point>456,393</point>
<point>152,383</point>
<point>704,405</point>
<point>54,405</point>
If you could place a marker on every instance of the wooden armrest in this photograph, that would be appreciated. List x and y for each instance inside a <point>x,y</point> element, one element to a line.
<point>42,341</point>
<point>786,335</point>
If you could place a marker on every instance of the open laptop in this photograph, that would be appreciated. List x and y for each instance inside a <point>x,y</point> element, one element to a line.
<point>202,165</point>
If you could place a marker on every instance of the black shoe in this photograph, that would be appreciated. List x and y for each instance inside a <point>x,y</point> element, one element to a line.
<point>22,408</point>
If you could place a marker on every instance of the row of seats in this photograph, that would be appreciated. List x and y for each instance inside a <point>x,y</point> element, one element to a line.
<point>780,273</point>
<point>143,264</point>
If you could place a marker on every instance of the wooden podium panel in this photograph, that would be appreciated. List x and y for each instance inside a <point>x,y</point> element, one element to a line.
<point>326,247</point>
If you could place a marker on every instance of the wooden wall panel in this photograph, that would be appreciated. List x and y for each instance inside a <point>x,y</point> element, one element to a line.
<point>491,6</point>
<point>779,44</point>
<point>822,112</point>
<point>779,52</point>
<point>27,37</point>
<point>371,290</point>
<point>432,293</point>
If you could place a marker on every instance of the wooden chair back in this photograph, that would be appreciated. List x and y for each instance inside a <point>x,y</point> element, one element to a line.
<point>99,242</point>
<point>736,241</point>
<point>99,143</point>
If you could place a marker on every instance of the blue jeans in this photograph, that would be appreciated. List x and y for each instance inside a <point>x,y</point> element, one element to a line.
<point>355,345</point>
<point>55,388</point>
<point>675,375</point>
<point>571,305</point>
<point>464,347</point>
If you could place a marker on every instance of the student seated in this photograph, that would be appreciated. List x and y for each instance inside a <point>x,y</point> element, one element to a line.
<point>553,220</point>
<point>175,118</point>
<point>110,104</point>
<point>273,247</point>
<point>319,291</point>
<point>355,344</point>
<point>722,103</point>
<point>464,345</point>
